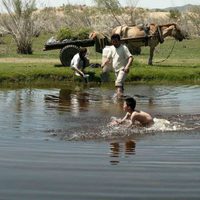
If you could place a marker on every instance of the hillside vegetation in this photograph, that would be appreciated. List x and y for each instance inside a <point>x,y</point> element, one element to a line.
<point>182,65</point>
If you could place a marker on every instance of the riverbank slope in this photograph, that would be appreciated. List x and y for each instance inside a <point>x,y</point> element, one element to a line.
<point>183,64</point>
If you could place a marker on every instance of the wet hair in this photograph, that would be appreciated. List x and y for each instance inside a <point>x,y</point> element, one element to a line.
<point>131,102</point>
<point>115,37</point>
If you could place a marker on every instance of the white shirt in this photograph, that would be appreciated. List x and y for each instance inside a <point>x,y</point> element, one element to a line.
<point>119,56</point>
<point>76,61</point>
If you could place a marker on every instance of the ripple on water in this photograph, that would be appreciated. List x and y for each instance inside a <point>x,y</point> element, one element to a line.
<point>84,114</point>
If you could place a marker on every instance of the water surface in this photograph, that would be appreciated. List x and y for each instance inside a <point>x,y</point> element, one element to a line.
<point>56,144</point>
<point>38,113</point>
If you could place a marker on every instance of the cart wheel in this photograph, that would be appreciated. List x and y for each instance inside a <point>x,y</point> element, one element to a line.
<point>67,53</point>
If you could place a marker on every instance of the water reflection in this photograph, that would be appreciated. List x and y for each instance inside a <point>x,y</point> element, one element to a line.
<point>74,101</point>
<point>83,100</point>
<point>85,114</point>
<point>117,149</point>
<point>78,101</point>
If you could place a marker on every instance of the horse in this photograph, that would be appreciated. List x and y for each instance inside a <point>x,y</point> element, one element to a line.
<point>151,35</point>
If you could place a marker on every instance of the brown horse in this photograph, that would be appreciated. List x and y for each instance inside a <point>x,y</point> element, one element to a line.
<point>151,36</point>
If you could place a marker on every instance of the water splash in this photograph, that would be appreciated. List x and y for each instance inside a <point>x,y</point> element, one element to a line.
<point>110,131</point>
<point>164,125</point>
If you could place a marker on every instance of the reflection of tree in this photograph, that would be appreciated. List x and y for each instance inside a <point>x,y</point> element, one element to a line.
<point>17,109</point>
<point>18,103</point>
<point>14,108</point>
<point>22,100</point>
<point>116,149</point>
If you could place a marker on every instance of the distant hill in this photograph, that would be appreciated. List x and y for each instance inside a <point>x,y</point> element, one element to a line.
<point>181,8</point>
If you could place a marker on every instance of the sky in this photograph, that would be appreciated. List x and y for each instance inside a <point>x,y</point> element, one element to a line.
<point>139,3</point>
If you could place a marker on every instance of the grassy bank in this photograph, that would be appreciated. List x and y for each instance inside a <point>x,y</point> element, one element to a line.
<point>183,65</point>
<point>30,72</point>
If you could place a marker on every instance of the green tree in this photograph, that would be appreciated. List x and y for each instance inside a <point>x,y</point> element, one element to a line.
<point>175,14</point>
<point>19,23</point>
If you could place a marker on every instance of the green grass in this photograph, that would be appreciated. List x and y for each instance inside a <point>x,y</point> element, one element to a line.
<point>165,74</point>
<point>183,65</point>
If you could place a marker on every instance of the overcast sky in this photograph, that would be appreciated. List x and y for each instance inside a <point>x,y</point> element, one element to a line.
<point>139,3</point>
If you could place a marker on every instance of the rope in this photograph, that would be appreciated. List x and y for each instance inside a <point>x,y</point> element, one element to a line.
<point>168,54</point>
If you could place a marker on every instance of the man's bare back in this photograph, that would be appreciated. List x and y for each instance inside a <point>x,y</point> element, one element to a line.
<point>142,117</point>
<point>134,116</point>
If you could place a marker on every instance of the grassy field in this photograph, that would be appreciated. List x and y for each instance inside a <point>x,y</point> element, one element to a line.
<point>182,66</point>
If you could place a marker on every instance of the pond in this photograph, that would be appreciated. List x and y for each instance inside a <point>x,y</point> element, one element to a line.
<point>57,143</point>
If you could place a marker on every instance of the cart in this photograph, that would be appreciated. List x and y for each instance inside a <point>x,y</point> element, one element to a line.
<point>68,48</point>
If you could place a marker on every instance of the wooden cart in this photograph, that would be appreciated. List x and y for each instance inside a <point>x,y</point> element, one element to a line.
<point>68,48</point>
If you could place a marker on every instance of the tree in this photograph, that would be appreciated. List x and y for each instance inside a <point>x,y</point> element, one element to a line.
<point>112,6</point>
<point>77,16</point>
<point>123,15</point>
<point>175,14</point>
<point>194,16</point>
<point>19,23</point>
<point>108,4</point>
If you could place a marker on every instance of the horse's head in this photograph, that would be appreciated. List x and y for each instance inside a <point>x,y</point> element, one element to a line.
<point>177,33</point>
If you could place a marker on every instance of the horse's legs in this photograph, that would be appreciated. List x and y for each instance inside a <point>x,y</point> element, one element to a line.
<point>150,62</point>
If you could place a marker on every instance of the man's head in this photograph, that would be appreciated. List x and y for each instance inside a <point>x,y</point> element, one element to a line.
<point>129,103</point>
<point>82,51</point>
<point>115,40</point>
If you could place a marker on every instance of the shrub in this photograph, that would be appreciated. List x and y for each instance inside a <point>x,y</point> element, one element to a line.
<point>64,33</point>
<point>82,33</point>
<point>73,34</point>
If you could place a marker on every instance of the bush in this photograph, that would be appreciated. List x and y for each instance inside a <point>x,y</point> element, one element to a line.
<point>64,33</point>
<point>82,33</point>
<point>67,33</point>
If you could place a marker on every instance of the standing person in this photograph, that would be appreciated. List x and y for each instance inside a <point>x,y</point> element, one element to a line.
<point>121,61</point>
<point>79,62</point>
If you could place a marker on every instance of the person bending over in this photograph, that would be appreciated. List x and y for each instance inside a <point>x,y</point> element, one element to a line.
<point>79,62</point>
